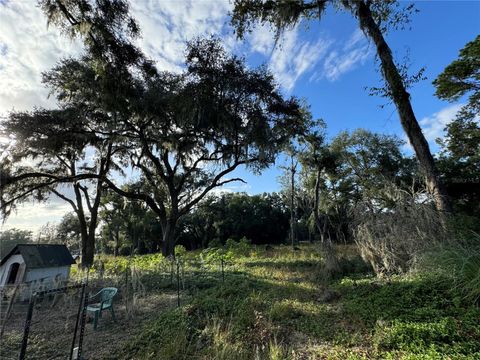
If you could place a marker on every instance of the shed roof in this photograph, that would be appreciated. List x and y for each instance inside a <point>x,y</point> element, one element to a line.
<point>42,255</point>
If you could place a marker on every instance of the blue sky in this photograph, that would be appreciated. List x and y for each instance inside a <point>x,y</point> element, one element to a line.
<point>329,64</point>
<point>438,32</point>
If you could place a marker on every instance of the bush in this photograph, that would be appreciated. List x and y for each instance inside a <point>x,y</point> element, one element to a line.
<point>238,248</point>
<point>458,263</point>
<point>180,251</point>
<point>215,243</point>
<point>391,240</point>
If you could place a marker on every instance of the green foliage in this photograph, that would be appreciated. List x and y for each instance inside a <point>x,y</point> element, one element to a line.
<point>128,226</point>
<point>459,263</point>
<point>413,315</point>
<point>268,308</point>
<point>168,337</point>
<point>261,218</point>
<point>238,248</point>
<point>11,237</point>
<point>215,243</point>
<point>180,251</point>
<point>414,336</point>
<point>462,76</point>
<point>459,163</point>
<point>460,156</point>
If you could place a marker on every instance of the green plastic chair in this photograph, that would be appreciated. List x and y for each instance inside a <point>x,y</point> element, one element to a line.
<point>105,298</point>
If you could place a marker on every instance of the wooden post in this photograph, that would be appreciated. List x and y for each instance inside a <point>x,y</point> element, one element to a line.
<point>178,284</point>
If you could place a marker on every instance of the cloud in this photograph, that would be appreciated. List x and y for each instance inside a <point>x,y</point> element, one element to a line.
<point>353,54</point>
<point>261,40</point>
<point>292,57</point>
<point>433,125</point>
<point>27,48</point>
<point>33,216</point>
<point>168,25</point>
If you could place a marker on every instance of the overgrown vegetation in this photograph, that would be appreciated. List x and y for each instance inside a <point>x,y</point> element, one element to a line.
<point>274,304</point>
<point>392,268</point>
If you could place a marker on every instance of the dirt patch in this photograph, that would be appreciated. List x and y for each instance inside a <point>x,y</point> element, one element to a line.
<point>53,326</point>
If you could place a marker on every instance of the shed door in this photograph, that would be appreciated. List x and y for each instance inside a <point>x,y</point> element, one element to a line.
<point>13,273</point>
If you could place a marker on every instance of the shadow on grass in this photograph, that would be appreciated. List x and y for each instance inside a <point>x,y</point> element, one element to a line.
<point>419,314</point>
<point>294,264</point>
<point>413,315</point>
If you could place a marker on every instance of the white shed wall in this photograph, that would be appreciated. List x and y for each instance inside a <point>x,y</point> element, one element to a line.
<point>5,269</point>
<point>47,273</point>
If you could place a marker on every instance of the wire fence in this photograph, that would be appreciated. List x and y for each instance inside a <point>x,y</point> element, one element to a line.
<point>55,324</point>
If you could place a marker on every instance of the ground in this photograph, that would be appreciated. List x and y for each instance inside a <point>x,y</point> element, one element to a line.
<point>53,326</point>
<point>276,304</point>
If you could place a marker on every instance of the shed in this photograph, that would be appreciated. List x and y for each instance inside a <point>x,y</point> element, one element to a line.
<point>29,263</point>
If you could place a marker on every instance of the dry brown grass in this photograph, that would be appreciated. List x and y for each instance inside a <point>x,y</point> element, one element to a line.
<point>390,240</point>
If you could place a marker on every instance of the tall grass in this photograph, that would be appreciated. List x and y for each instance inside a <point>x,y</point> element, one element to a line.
<point>459,263</point>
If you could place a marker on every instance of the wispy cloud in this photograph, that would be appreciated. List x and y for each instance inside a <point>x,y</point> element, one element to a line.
<point>167,25</point>
<point>33,216</point>
<point>433,126</point>
<point>27,48</point>
<point>354,53</point>
<point>292,56</point>
<point>261,40</point>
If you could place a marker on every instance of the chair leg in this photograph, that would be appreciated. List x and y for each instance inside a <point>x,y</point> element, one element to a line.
<point>113,314</point>
<point>95,320</point>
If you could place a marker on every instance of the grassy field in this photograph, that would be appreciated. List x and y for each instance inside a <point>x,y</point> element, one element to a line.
<point>276,304</point>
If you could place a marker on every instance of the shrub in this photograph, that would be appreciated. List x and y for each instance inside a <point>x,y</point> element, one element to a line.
<point>215,243</point>
<point>180,251</point>
<point>238,248</point>
<point>391,240</point>
<point>458,263</point>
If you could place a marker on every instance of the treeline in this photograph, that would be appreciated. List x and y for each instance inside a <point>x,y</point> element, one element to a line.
<point>357,181</point>
<point>133,229</point>
<point>121,118</point>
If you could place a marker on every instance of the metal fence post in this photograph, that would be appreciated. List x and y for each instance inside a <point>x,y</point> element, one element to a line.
<point>82,296</point>
<point>26,329</point>
<point>82,324</point>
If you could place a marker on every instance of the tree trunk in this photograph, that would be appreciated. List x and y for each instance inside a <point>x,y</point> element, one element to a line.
<point>401,99</point>
<point>117,243</point>
<point>88,250</point>
<point>168,246</point>
<point>331,261</point>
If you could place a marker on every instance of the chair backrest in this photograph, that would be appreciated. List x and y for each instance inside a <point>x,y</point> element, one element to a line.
<point>107,294</point>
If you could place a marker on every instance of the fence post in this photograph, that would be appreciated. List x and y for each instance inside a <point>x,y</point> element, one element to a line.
<point>223,272</point>
<point>26,329</point>
<point>82,296</point>
<point>82,325</point>
<point>127,292</point>
<point>178,284</point>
